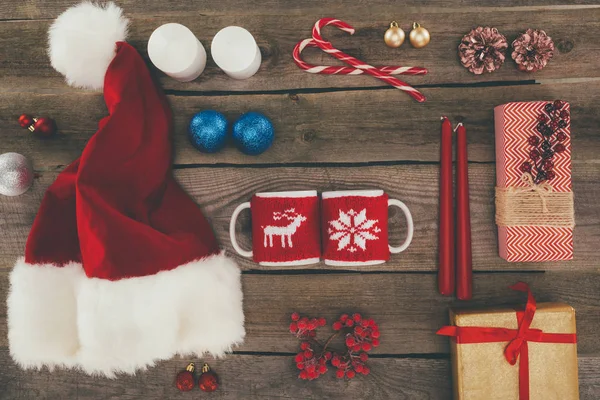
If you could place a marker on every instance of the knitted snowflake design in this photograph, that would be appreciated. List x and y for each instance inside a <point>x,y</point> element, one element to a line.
<point>352,230</point>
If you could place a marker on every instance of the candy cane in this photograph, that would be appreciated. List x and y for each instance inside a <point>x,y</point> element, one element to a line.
<point>333,70</point>
<point>328,48</point>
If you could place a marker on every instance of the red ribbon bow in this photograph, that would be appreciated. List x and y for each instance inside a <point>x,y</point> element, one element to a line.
<point>517,339</point>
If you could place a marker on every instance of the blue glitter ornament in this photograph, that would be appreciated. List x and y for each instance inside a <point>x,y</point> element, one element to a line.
<point>208,131</point>
<point>253,133</point>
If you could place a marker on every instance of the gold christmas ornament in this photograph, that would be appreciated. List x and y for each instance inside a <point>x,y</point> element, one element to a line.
<point>394,36</point>
<point>419,36</point>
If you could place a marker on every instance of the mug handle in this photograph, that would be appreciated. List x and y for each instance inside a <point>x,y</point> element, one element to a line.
<point>234,218</point>
<point>410,226</point>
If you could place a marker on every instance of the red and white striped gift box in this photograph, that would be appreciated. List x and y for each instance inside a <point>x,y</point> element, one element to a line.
<point>514,124</point>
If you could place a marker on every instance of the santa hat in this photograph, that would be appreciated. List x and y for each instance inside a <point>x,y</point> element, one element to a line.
<point>121,268</point>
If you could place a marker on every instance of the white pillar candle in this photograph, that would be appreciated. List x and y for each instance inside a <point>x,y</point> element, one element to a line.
<point>235,51</point>
<point>176,51</point>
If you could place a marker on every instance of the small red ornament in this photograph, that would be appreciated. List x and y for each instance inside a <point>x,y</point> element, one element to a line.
<point>25,120</point>
<point>42,127</point>
<point>208,381</point>
<point>185,379</point>
<point>561,137</point>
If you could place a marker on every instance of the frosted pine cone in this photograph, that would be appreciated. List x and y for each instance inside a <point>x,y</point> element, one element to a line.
<point>532,50</point>
<point>482,49</point>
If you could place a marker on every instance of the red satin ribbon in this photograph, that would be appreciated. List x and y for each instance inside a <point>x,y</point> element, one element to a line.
<point>517,338</point>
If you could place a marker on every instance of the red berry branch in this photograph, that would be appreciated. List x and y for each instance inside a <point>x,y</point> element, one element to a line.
<point>547,141</point>
<point>360,336</point>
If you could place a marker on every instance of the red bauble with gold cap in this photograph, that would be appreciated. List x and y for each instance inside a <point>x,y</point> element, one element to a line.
<point>208,381</point>
<point>185,379</point>
<point>26,120</point>
<point>42,126</point>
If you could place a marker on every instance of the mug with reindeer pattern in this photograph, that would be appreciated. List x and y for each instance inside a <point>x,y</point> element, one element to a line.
<point>285,228</point>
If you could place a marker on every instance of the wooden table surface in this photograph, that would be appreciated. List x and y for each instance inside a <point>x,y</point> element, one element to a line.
<point>333,132</point>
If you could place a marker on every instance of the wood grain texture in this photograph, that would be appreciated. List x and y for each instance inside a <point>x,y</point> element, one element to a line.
<point>258,377</point>
<point>24,64</point>
<point>43,9</point>
<point>328,131</point>
<point>241,377</point>
<point>339,127</point>
<point>406,306</point>
<point>219,190</point>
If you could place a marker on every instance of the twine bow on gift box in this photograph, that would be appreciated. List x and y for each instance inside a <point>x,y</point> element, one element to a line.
<point>541,189</point>
<point>517,348</point>
<point>536,204</point>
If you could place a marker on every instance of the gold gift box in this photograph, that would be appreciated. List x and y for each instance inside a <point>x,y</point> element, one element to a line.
<point>481,372</point>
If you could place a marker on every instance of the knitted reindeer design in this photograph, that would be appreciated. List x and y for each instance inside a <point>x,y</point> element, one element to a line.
<point>283,231</point>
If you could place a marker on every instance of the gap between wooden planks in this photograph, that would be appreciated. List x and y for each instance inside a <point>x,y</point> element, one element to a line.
<point>25,63</point>
<point>219,190</point>
<point>337,127</point>
<point>406,306</point>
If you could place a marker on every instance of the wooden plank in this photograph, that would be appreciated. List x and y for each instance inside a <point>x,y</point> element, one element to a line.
<point>589,378</point>
<point>241,377</point>
<point>339,127</point>
<point>406,306</point>
<point>40,9</point>
<point>219,190</point>
<point>260,377</point>
<point>24,63</point>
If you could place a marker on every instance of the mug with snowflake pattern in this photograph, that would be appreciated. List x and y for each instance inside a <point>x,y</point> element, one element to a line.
<point>285,228</point>
<point>355,227</point>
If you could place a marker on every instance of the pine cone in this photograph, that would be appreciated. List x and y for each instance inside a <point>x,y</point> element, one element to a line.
<point>532,50</point>
<point>482,49</point>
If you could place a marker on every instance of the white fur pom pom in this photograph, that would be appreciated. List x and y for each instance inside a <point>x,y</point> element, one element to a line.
<point>82,42</point>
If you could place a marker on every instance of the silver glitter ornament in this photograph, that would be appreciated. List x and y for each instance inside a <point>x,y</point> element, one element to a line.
<point>16,174</point>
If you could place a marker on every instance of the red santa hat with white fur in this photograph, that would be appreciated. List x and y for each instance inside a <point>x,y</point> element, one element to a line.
<point>121,268</point>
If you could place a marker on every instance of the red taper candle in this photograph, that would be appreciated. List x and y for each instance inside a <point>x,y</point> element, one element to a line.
<point>464,269</point>
<point>446,238</point>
